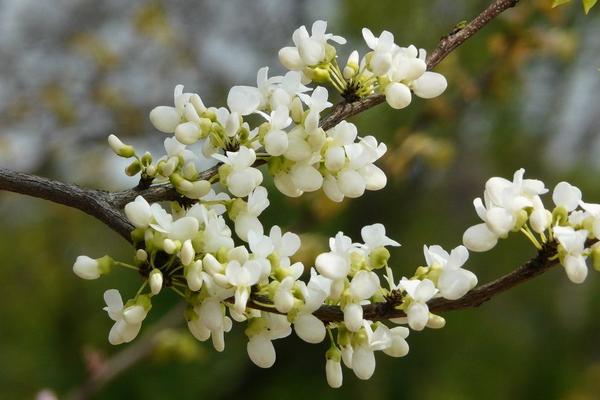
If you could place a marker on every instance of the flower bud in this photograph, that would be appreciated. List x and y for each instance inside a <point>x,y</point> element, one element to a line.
<point>88,268</point>
<point>134,168</point>
<point>187,253</point>
<point>120,148</point>
<point>436,322</point>
<point>333,372</point>
<point>261,351</point>
<point>397,95</point>
<point>156,281</point>
<point>429,85</point>
<point>141,255</point>
<point>596,258</point>
<point>309,328</point>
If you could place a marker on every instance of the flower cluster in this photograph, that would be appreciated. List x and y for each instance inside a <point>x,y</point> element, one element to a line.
<point>193,253</point>
<point>301,156</point>
<point>516,206</point>
<point>389,69</point>
<point>211,248</point>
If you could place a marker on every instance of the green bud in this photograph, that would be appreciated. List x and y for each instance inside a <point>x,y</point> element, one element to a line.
<point>146,159</point>
<point>133,169</point>
<point>105,264</point>
<point>120,149</point>
<point>596,258</point>
<point>333,353</point>
<point>379,257</point>
<point>205,125</point>
<point>180,183</point>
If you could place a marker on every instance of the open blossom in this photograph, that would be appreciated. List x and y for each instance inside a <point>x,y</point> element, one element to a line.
<point>261,333</point>
<point>502,210</point>
<point>128,319</point>
<point>572,243</point>
<point>309,49</point>
<point>420,292</point>
<point>453,281</point>
<point>238,175</point>
<point>246,219</point>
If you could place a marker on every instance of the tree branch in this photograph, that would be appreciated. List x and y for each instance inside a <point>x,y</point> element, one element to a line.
<point>108,206</point>
<point>446,45</point>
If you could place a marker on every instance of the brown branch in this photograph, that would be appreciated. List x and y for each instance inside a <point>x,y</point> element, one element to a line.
<point>107,206</point>
<point>446,45</point>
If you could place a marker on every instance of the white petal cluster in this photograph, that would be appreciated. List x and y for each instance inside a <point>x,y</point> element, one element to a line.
<point>309,50</point>
<point>517,206</point>
<point>401,71</point>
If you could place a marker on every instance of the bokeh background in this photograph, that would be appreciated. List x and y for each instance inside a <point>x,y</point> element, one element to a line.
<point>522,93</point>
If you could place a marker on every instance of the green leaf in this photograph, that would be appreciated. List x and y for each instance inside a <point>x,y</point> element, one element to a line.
<point>588,4</point>
<point>557,3</point>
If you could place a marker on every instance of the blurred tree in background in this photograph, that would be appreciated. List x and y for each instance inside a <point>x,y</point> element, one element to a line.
<point>522,93</point>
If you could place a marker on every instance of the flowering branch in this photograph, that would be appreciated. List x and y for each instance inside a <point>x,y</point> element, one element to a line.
<point>211,249</point>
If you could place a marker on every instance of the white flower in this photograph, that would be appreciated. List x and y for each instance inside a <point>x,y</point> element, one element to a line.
<point>504,203</point>
<point>399,347</point>
<point>156,281</point>
<point>453,282</point>
<point>242,178</point>
<point>243,100</point>
<point>242,277</point>
<point>261,332</point>
<point>128,320</point>
<point>181,229</point>
<point>87,268</point>
<point>363,357</point>
<point>211,315</point>
<point>374,236</point>
<point>381,57</point>
<point>166,119</point>
<point>573,244</point>
<point>566,196</point>
<point>276,139</point>
<point>120,148</point>
<point>420,292</point>
<point>138,212</point>
<point>397,95</point>
<point>333,372</point>
<point>336,263</point>
<point>429,85</point>
<point>362,287</point>
<point>310,49</point>
<point>247,219</point>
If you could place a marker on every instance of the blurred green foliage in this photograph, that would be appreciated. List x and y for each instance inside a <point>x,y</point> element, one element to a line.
<point>540,341</point>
